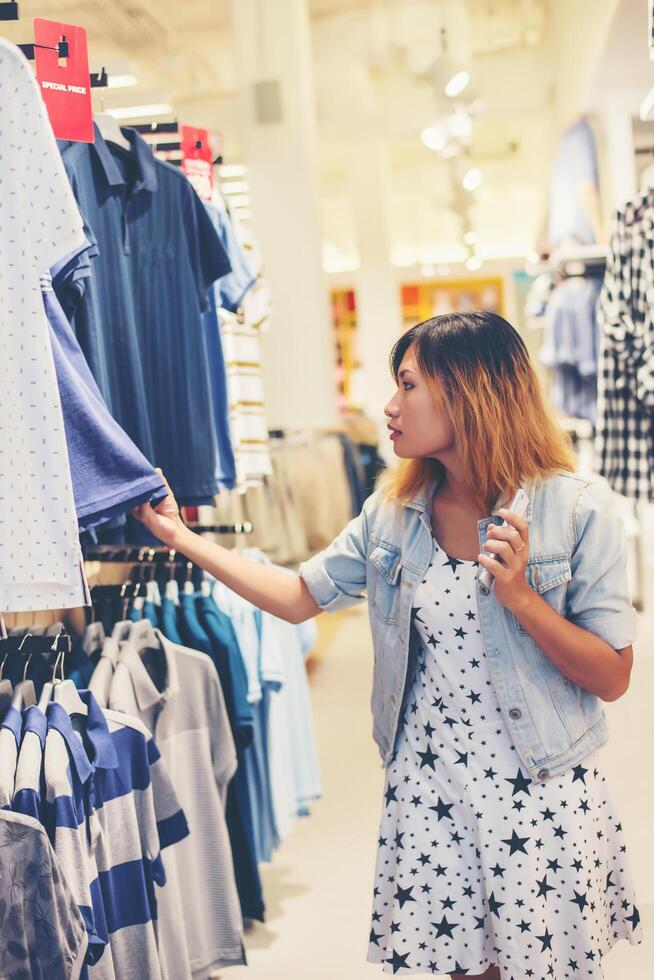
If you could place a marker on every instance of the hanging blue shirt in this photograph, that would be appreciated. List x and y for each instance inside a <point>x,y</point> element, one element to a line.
<point>138,317</point>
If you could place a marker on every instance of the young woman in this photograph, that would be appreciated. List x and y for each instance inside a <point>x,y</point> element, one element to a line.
<point>500,851</point>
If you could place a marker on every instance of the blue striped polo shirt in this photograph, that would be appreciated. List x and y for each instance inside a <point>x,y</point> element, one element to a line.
<point>109,808</point>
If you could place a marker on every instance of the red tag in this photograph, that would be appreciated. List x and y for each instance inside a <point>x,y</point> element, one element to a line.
<point>66,84</point>
<point>197,160</point>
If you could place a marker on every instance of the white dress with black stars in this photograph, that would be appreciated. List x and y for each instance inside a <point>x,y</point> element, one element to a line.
<point>478,866</point>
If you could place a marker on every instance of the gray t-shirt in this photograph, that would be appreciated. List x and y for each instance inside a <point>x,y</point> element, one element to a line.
<point>176,693</point>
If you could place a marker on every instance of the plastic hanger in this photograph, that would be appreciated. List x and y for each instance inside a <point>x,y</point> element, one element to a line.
<point>24,694</point>
<point>110,130</point>
<point>6,687</point>
<point>189,588</point>
<point>64,692</point>
<point>142,635</point>
<point>48,687</point>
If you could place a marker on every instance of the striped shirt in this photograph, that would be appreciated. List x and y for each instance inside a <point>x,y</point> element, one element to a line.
<point>109,808</point>
<point>187,713</point>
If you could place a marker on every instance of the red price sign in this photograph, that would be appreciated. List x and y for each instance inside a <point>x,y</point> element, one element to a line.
<point>65,82</point>
<point>197,160</point>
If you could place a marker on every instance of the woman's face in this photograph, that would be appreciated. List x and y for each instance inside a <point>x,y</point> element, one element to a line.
<point>418,426</point>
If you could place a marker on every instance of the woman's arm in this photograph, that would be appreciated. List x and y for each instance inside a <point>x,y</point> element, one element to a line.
<point>276,592</point>
<point>581,656</point>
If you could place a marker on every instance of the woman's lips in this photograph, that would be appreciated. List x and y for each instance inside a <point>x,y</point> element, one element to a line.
<point>395,434</point>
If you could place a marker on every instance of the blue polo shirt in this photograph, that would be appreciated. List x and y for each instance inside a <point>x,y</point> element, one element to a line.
<point>138,317</point>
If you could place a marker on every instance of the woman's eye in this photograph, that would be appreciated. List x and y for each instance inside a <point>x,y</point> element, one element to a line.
<point>407,385</point>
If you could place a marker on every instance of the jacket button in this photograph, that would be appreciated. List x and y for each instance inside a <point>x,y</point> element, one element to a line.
<point>515,713</point>
<point>543,774</point>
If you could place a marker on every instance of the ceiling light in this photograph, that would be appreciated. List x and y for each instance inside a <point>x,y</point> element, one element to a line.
<point>474,263</point>
<point>470,238</point>
<point>121,81</point>
<point>434,138</point>
<point>472,179</point>
<point>228,170</point>
<point>443,270</point>
<point>235,187</point>
<point>456,84</point>
<point>427,271</point>
<point>533,258</point>
<point>141,111</point>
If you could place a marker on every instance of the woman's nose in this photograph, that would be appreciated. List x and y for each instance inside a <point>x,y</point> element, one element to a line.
<point>391,409</point>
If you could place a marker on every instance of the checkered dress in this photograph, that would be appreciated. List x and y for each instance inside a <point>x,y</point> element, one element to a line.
<point>624,444</point>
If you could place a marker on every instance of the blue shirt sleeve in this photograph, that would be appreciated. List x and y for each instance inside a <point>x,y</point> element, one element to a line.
<point>209,260</point>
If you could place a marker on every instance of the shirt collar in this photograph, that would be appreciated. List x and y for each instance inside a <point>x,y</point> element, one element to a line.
<point>102,751</point>
<point>59,720</point>
<point>146,691</point>
<point>145,162</point>
<point>423,501</point>
<point>14,722</point>
<point>35,721</point>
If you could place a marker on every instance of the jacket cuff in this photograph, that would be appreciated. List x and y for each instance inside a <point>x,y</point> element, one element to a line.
<point>618,629</point>
<point>324,591</point>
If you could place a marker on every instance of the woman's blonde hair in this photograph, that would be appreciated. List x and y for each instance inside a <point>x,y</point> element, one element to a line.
<point>504,430</point>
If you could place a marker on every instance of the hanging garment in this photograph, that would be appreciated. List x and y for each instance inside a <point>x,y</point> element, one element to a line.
<point>477,865</point>
<point>42,934</point>
<point>625,439</point>
<point>241,339</point>
<point>241,808</point>
<point>138,317</point>
<point>571,346</point>
<point>110,475</point>
<point>109,810</point>
<point>40,558</point>
<point>575,166</point>
<point>176,693</point>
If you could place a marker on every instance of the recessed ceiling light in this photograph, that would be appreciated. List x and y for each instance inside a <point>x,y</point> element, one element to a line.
<point>472,179</point>
<point>427,271</point>
<point>434,138</point>
<point>457,84</point>
<point>474,263</point>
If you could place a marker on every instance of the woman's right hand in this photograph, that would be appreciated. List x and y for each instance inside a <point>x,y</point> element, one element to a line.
<point>164,520</point>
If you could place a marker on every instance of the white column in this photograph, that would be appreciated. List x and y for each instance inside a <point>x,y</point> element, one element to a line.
<point>277,106</point>
<point>619,141</point>
<point>379,312</point>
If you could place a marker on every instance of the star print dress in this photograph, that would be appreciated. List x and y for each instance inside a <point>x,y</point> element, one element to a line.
<point>478,866</point>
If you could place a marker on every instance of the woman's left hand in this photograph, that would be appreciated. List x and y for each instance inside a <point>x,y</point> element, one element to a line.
<point>510,542</point>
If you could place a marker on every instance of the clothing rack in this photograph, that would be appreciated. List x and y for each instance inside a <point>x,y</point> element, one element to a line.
<point>97,79</point>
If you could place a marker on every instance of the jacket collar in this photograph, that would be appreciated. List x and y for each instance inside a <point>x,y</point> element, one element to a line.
<point>423,501</point>
<point>142,153</point>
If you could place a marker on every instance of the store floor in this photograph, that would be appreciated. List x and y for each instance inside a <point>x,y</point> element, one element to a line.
<point>319,887</point>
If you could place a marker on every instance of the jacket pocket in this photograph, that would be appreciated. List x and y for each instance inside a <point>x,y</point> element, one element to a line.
<point>384,588</point>
<point>548,577</point>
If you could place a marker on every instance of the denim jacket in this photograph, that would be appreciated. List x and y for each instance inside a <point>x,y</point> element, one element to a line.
<point>577,563</point>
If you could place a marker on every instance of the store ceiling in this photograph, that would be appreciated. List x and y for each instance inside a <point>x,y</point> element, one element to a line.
<point>376,68</point>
